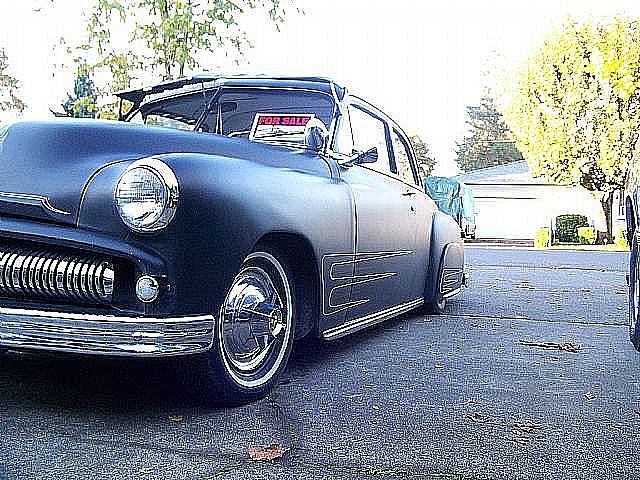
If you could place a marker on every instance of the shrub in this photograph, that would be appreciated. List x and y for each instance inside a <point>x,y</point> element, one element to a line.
<point>621,239</point>
<point>567,227</point>
<point>587,235</point>
<point>543,235</point>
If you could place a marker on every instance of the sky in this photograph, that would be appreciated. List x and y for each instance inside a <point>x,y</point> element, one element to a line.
<point>421,62</point>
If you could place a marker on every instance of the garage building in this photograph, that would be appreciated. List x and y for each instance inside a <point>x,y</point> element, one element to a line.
<point>511,204</point>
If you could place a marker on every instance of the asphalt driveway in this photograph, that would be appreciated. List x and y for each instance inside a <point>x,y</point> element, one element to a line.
<point>530,375</point>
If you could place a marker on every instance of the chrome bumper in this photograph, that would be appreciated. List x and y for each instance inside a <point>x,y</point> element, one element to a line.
<point>105,334</point>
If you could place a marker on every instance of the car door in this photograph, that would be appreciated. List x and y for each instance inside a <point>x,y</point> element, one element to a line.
<point>387,252</point>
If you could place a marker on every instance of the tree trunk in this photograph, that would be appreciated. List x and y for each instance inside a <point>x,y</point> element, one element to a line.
<point>606,201</point>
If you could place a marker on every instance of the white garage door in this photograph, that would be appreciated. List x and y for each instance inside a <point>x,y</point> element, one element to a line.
<point>509,218</point>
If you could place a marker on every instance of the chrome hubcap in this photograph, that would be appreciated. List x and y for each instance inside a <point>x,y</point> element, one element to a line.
<point>254,319</point>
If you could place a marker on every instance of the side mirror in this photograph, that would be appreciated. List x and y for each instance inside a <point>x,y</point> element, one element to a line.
<point>370,156</point>
<point>316,135</point>
<point>358,158</point>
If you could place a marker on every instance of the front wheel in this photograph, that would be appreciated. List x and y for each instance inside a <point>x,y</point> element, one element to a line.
<point>634,294</point>
<point>254,334</point>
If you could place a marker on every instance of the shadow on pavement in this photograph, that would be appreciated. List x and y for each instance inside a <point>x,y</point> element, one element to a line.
<point>75,382</point>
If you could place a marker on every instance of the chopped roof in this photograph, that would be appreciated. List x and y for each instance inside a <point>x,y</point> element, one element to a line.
<point>138,95</point>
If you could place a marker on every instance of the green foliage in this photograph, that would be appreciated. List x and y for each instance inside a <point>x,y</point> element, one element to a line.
<point>424,158</point>
<point>9,99</point>
<point>586,235</point>
<point>574,107</point>
<point>166,37</point>
<point>621,239</point>
<point>83,102</point>
<point>489,141</point>
<point>567,227</point>
<point>543,237</point>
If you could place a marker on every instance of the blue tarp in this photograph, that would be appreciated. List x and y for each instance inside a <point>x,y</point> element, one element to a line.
<point>451,196</point>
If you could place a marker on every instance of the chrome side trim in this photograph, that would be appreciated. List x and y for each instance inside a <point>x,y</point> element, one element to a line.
<point>332,281</point>
<point>452,279</point>
<point>105,334</point>
<point>371,319</point>
<point>45,202</point>
<point>452,293</point>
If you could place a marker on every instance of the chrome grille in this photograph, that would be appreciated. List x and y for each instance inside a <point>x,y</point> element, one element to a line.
<point>55,275</point>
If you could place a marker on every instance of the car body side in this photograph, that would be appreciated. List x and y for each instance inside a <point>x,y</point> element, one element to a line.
<point>234,196</point>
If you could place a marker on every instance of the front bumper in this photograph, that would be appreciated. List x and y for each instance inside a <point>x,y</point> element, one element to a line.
<point>105,334</point>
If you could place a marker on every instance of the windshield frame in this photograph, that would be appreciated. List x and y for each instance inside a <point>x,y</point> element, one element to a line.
<point>145,108</point>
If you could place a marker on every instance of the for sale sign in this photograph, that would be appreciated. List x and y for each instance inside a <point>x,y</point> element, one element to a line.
<point>285,127</point>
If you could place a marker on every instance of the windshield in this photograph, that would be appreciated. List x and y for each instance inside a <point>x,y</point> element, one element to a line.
<point>268,115</point>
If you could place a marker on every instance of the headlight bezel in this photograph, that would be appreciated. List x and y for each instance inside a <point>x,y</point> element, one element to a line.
<point>168,181</point>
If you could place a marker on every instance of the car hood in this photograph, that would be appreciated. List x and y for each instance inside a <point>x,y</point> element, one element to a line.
<point>45,165</point>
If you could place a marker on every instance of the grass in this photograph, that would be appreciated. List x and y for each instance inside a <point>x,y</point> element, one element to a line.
<point>611,247</point>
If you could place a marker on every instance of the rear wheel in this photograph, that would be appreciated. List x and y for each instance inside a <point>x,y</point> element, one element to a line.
<point>254,333</point>
<point>436,307</point>
<point>634,294</point>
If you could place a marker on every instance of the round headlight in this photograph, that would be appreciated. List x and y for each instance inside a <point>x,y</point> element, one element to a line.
<point>147,195</point>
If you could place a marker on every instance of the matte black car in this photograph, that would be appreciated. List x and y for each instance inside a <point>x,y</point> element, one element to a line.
<point>221,219</point>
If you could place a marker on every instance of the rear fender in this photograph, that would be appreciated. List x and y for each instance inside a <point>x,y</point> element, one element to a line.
<point>446,259</point>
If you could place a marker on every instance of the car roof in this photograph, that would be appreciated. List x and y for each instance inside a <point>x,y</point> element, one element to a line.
<point>209,80</point>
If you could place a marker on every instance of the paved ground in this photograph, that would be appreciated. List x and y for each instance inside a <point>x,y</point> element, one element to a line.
<point>457,396</point>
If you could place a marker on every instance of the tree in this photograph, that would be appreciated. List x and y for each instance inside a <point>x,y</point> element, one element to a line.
<point>9,99</point>
<point>83,102</point>
<point>489,141</point>
<point>575,106</point>
<point>165,38</point>
<point>424,158</point>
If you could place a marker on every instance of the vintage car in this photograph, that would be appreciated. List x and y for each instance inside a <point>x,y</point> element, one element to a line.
<point>221,219</point>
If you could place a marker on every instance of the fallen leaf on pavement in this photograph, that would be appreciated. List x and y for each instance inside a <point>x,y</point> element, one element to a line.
<point>590,396</point>
<point>146,470</point>
<point>567,347</point>
<point>525,286</point>
<point>176,418</point>
<point>268,453</point>
<point>527,427</point>
<point>478,417</point>
<point>520,440</point>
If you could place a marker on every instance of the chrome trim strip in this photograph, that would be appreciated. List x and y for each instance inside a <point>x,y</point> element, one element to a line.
<point>371,319</point>
<point>336,281</point>
<point>105,334</point>
<point>452,293</point>
<point>45,202</point>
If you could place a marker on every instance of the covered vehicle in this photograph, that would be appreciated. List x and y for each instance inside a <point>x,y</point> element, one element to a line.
<point>218,221</point>
<point>455,199</point>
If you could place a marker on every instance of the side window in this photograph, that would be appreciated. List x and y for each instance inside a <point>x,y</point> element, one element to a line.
<point>368,131</point>
<point>403,159</point>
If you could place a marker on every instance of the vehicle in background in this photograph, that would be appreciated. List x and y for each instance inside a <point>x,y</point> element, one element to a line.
<point>631,194</point>
<point>455,199</point>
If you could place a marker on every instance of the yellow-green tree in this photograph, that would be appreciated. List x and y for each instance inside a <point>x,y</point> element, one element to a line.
<point>575,105</point>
